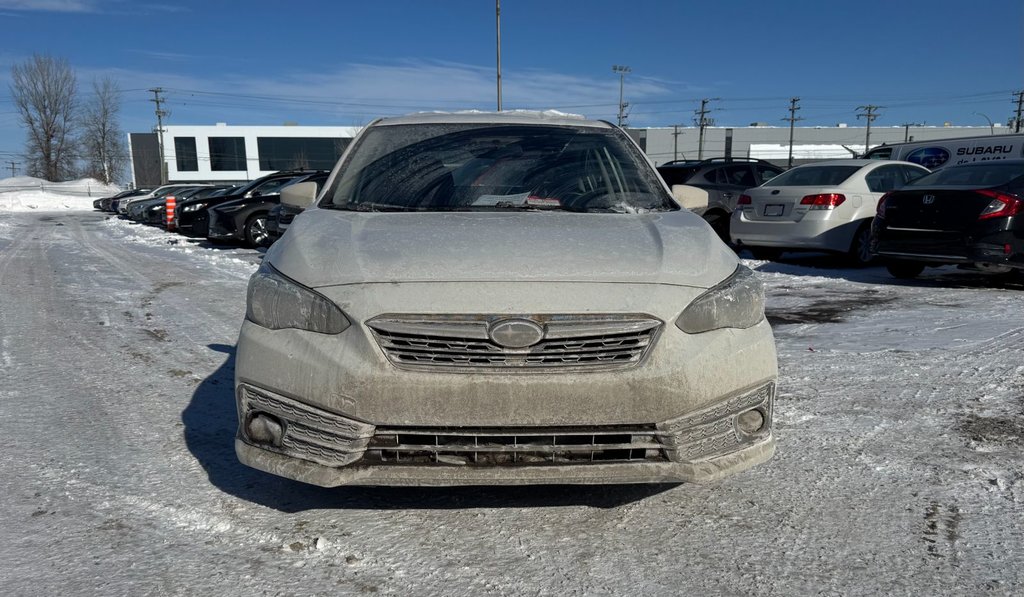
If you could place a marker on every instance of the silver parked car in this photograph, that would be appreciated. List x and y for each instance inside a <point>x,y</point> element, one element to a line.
<point>824,206</point>
<point>501,298</point>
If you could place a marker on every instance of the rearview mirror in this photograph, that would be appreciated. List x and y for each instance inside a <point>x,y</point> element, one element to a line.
<point>300,195</point>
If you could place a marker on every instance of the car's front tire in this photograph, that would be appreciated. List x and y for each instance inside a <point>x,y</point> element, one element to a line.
<point>255,231</point>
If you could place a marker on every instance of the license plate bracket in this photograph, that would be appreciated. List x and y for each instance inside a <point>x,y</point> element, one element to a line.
<point>774,209</point>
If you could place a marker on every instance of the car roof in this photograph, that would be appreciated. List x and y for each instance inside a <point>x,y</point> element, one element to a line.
<point>549,117</point>
<point>858,162</point>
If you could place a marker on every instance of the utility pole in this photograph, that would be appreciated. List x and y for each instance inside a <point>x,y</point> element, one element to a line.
<point>156,91</point>
<point>14,167</point>
<point>497,18</point>
<point>702,122</point>
<point>622,70</point>
<point>793,107</point>
<point>675,142</point>
<point>869,115</point>
<point>1020,110</point>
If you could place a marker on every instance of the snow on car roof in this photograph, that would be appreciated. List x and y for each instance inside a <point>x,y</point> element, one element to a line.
<point>507,116</point>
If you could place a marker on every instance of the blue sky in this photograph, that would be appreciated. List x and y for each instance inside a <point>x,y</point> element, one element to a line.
<point>346,62</point>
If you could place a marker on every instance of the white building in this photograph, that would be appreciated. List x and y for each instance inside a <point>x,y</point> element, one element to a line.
<point>223,153</point>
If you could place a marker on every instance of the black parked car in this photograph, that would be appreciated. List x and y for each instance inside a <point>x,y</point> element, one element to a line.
<point>723,180</point>
<point>970,215</point>
<point>105,202</point>
<point>156,212</point>
<point>281,215</point>
<point>191,215</point>
<point>245,220</point>
<point>143,211</point>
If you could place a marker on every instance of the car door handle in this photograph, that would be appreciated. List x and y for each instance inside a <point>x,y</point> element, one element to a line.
<point>727,195</point>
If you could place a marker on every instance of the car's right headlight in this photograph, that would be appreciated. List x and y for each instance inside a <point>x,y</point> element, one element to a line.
<point>276,302</point>
<point>193,207</point>
<point>736,302</point>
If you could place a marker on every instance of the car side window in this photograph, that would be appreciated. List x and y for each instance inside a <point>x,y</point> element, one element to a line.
<point>715,176</point>
<point>913,173</point>
<point>766,173</point>
<point>884,179</point>
<point>740,175</point>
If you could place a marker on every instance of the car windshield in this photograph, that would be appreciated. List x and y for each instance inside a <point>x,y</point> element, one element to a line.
<point>442,167</point>
<point>813,176</point>
<point>973,175</point>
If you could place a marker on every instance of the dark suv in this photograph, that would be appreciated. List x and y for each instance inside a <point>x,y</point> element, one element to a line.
<point>722,180</point>
<point>193,219</point>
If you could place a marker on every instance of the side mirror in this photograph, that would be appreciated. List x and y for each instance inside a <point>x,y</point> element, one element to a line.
<point>690,197</point>
<point>300,195</point>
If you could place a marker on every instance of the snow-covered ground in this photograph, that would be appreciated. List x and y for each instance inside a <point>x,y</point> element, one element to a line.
<point>25,193</point>
<point>900,468</point>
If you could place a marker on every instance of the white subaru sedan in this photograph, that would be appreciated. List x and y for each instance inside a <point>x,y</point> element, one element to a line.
<point>507,298</point>
<point>824,206</point>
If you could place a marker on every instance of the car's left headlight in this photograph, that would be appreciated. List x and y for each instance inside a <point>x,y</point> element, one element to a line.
<point>194,207</point>
<point>736,302</point>
<point>276,302</point>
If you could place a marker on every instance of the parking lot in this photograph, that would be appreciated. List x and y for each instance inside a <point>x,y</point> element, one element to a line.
<point>900,426</point>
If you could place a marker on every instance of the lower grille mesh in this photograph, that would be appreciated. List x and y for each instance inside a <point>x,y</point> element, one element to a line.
<point>482,447</point>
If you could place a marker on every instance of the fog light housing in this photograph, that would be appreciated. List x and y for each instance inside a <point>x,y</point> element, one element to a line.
<point>263,428</point>
<point>751,421</point>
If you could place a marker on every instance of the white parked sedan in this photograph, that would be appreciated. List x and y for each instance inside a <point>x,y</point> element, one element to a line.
<point>825,206</point>
<point>501,298</point>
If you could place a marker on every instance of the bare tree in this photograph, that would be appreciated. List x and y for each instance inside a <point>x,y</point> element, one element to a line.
<point>44,91</point>
<point>102,142</point>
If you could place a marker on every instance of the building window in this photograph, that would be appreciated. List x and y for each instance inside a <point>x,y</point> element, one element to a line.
<point>185,154</point>
<point>291,153</point>
<point>227,154</point>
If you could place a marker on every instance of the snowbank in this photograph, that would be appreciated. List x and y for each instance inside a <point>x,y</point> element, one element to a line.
<point>25,193</point>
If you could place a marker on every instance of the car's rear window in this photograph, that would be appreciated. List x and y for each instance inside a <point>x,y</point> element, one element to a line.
<point>813,176</point>
<point>990,174</point>
<point>448,166</point>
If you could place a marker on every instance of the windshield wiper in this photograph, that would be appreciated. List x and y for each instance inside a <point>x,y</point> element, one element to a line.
<point>369,206</point>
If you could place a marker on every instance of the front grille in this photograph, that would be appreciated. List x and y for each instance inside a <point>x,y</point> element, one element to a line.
<point>514,447</point>
<point>569,341</point>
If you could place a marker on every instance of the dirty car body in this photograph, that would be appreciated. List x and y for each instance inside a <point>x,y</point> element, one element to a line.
<point>501,299</point>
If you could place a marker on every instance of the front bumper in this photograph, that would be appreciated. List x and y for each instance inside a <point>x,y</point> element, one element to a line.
<point>221,226</point>
<point>331,386</point>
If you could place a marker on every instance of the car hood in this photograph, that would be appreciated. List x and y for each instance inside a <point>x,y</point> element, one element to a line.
<point>329,248</point>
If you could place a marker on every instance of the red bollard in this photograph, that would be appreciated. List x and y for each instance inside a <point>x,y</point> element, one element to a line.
<point>169,218</point>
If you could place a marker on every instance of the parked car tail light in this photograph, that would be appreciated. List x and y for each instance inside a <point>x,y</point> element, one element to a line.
<point>745,200</point>
<point>880,210</point>
<point>824,200</point>
<point>737,302</point>
<point>1003,205</point>
<point>276,302</point>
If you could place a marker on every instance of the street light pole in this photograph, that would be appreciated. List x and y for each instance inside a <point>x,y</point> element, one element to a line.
<point>497,20</point>
<point>991,127</point>
<point>622,70</point>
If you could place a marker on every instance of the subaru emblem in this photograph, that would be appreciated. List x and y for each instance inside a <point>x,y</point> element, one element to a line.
<point>515,333</point>
<point>928,199</point>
